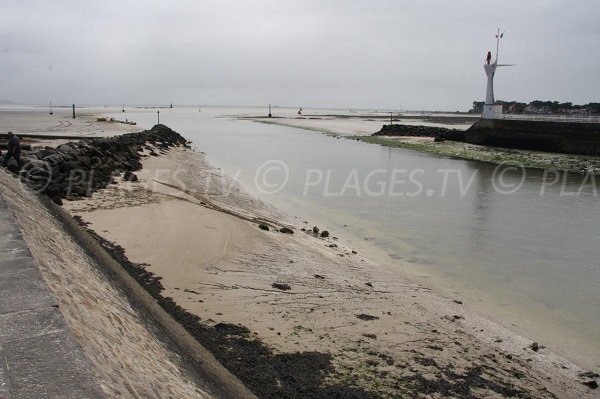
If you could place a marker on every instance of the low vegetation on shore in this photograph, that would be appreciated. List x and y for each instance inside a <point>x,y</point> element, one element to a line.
<point>521,158</point>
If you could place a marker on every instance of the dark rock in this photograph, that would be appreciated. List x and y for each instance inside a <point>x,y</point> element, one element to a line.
<point>315,230</point>
<point>263,226</point>
<point>69,148</point>
<point>286,230</point>
<point>535,347</point>
<point>41,154</point>
<point>589,374</point>
<point>435,348</point>
<point>281,286</point>
<point>369,284</point>
<point>372,336</point>
<point>78,169</point>
<point>12,166</point>
<point>439,133</point>
<point>56,199</point>
<point>366,317</point>
<point>457,301</point>
<point>319,277</point>
<point>324,234</point>
<point>591,383</point>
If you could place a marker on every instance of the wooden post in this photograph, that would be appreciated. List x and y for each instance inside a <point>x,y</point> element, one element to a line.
<point>270,110</point>
<point>391,118</point>
<point>73,111</point>
<point>158,115</point>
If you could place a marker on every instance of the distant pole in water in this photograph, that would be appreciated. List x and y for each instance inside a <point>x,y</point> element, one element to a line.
<point>391,118</point>
<point>171,105</point>
<point>270,111</point>
<point>158,116</point>
<point>123,108</point>
<point>73,111</point>
<point>51,113</point>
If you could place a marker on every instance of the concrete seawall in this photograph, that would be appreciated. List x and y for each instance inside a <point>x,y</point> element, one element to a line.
<point>566,137</point>
<point>219,381</point>
<point>39,355</point>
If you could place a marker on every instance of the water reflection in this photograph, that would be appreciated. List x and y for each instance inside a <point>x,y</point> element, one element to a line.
<point>482,204</point>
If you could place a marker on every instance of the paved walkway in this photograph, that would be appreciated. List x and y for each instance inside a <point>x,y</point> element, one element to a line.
<point>39,357</point>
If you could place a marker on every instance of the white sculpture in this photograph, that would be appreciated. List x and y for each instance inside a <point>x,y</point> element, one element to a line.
<point>491,110</point>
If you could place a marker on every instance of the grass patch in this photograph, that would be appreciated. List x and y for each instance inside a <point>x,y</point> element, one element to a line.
<point>497,156</point>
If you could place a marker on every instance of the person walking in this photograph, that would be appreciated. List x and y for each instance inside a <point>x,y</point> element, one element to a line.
<point>13,150</point>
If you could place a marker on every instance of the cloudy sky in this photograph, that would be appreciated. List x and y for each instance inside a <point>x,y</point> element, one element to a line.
<point>419,54</point>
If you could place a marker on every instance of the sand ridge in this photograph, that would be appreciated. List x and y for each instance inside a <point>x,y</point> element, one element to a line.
<point>61,123</point>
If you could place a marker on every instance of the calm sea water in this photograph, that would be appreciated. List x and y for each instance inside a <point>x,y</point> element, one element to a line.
<point>520,246</point>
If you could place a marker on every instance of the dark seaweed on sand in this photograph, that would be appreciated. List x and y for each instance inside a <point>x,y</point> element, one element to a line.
<point>266,373</point>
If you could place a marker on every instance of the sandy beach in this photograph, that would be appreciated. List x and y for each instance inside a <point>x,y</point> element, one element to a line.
<point>358,123</point>
<point>382,336</point>
<point>28,120</point>
<point>292,315</point>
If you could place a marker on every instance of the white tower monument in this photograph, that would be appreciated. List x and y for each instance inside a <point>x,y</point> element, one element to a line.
<point>491,110</point>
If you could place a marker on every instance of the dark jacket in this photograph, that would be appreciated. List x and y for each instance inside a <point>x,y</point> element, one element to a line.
<point>14,146</point>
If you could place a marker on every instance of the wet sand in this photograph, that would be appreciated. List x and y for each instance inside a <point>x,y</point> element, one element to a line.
<point>359,124</point>
<point>37,121</point>
<point>379,335</point>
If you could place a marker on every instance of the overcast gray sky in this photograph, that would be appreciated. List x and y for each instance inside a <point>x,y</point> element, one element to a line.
<point>419,54</point>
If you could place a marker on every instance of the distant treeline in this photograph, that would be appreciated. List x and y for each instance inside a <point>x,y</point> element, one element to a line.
<point>541,107</point>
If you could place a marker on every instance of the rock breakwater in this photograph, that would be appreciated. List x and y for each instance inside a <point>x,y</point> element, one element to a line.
<point>421,131</point>
<point>77,169</point>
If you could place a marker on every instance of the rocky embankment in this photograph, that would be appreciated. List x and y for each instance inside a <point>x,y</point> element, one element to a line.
<point>421,131</point>
<point>77,169</point>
